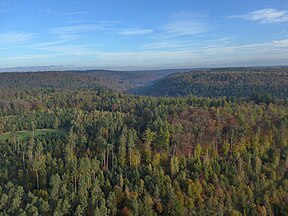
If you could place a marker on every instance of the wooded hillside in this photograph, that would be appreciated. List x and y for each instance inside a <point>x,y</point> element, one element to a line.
<point>96,152</point>
<point>229,82</point>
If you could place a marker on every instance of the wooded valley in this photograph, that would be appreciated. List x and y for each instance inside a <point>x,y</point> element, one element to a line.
<point>75,143</point>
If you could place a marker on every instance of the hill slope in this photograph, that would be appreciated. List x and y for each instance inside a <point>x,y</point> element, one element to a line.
<point>115,80</point>
<point>230,82</point>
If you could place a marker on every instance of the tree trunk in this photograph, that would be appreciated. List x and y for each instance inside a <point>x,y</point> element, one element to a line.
<point>104,159</point>
<point>231,144</point>
<point>107,159</point>
<point>130,156</point>
<point>23,161</point>
<point>37,179</point>
<point>75,184</point>
<point>174,150</point>
<point>112,156</point>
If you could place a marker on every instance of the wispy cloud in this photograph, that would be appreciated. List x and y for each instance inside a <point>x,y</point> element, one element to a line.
<point>264,16</point>
<point>76,31</point>
<point>49,43</point>
<point>225,54</point>
<point>267,53</point>
<point>31,57</point>
<point>71,50</point>
<point>136,31</point>
<point>281,43</point>
<point>74,13</point>
<point>183,39</point>
<point>10,38</point>
<point>178,31</point>
<point>166,44</point>
<point>184,28</point>
<point>185,24</point>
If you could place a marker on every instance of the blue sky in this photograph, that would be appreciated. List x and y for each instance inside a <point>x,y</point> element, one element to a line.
<point>146,34</point>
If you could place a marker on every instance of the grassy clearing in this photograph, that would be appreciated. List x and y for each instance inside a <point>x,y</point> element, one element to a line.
<point>24,135</point>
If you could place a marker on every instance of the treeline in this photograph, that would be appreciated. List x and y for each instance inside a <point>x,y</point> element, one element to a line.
<point>58,80</point>
<point>134,155</point>
<point>229,82</point>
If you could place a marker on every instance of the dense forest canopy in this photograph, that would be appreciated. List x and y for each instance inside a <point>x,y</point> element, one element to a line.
<point>229,82</point>
<point>69,146</point>
<point>87,79</point>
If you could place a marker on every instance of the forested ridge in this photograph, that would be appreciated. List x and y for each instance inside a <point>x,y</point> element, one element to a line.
<point>86,150</point>
<point>219,82</point>
<point>86,79</point>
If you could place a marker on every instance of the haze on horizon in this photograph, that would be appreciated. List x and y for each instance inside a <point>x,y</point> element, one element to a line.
<point>143,34</point>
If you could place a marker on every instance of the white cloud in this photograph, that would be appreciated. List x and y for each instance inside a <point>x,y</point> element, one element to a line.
<point>225,53</point>
<point>68,50</point>
<point>31,57</point>
<point>281,43</point>
<point>10,38</point>
<point>48,43</point>
<point>74,13</point>
<point>266,53</point>
<point>166,44</point>
<point>184,28</point>
<point>265,16</point>
<point>135,31</point>
<point>76,31</point>
<point>185,24</point>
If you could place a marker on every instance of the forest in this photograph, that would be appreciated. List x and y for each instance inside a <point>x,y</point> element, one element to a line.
<point>219,82</point>
<point>70,144</point>
<point>87,79</point>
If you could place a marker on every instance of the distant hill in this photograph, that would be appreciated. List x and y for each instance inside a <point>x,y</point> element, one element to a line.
<point>115,80</point>
<point>230,82</point>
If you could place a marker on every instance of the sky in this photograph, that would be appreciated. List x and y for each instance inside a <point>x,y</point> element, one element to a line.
<point>130,34</point>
